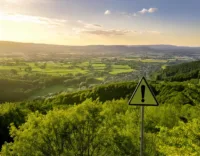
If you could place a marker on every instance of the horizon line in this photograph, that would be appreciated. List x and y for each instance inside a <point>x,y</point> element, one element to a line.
<point>40,43</point>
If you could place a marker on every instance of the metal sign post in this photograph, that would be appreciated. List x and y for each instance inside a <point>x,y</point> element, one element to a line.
<point>143,96</point>
<point>142,132</point>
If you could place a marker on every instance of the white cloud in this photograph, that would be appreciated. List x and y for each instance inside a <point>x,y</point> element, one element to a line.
<point>107,32</point>
<point>143,11</point>
<point>154,32</point>
<point>72,27</point>
<point>134,14</point>
<point>150,10</point>
<point>88,25</point>
<point>118,32</point>
<point>31,19</point>
<point>107,12</point>
<point>80,27</point>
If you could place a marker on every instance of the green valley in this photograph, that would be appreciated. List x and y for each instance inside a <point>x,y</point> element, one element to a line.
<point>78,105</point>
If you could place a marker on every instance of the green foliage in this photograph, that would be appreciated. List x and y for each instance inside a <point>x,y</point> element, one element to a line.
<point>100,122</point>
<point>28,69</point>
<point>183,139</point>
<point>181,72</point>
<point>87,129</point>
<point>10,113</point>
<point>103,93</point>
<point>13,71</point>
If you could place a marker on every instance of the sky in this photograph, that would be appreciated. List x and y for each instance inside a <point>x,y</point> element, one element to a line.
<point>101,22</point>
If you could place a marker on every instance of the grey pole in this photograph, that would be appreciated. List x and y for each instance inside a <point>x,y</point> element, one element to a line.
<point>142,131</point>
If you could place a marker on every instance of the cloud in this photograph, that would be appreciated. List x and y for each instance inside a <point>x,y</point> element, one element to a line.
<point>88,25</point>
<point>107,12</point>
<point>134,14</point>
<point>32,19</point>
<point>48,21</point>
<point>143,11</point>
<point>118,32</point>
<point>153,32</point>
<point>150,10</point>
<point>81,27</point>
<point>72,27</point>
<point>97,25</point>
<point>104,32</point>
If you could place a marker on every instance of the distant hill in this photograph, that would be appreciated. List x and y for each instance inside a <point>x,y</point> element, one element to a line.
<point>181,72</point>
<point>24,49</point>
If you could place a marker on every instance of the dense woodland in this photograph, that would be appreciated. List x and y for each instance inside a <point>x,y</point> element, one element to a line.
<point>100,122</point>
<point>181,72</point>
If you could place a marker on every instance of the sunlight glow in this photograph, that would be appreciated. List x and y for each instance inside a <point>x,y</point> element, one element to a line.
<point>19,21</point>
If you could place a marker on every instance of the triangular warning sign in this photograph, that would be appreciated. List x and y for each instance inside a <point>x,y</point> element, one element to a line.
<point>143,95</point>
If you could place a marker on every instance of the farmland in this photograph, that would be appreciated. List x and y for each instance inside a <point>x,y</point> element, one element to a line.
<point>50,77</point>
<point>36,71</point>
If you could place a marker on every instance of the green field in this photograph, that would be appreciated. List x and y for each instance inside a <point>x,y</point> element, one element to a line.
<point>153,60</point>
<point>99,66</point>
<point>43,77</point>
<point>64,69</point>
<point>50,68</point>
<point>117,69</point>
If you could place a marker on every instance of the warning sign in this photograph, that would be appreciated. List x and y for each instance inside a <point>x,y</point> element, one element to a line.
<point>143,95</point>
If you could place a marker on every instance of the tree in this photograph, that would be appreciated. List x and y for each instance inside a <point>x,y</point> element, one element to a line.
<point>76,131</point>
<point>181,140</point>
<point>13,71</point>
<point>108,67</point>
<point>28,69</point>
<point>89,129</point>
<point>43,66</point>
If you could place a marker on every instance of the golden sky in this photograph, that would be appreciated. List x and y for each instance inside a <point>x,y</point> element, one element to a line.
<point>97,22</point>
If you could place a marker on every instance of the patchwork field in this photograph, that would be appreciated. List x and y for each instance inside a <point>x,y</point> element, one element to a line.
<point>54,69</point>
<point>117,69</point>
<point>43,77</point>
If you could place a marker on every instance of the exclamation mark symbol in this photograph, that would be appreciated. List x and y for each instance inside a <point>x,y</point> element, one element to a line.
<point>143,92</point>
